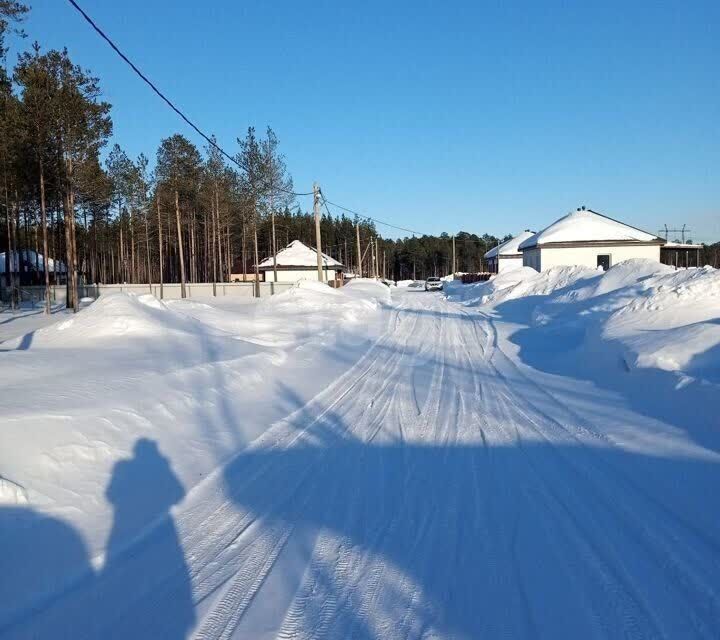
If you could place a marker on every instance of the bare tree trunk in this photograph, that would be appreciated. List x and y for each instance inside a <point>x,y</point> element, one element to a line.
<point>43,215</point>
<point>244,253</point>
<point>133,272</point>
<point>147,243</point>
<point>180,245</point>
<point>193,264</point>
<point>160,244</point>
<point>214,253</point>
<point>257,259</point>
<point>228,251</point>
<point>218,234</point>
<point>274,243</point>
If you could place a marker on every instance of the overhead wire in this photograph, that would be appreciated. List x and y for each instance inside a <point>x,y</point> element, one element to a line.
<point>165,99</point>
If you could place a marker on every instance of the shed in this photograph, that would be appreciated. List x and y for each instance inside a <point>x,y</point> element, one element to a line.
<point>588,238</point>
<point>297,261</point>
<point>507,255</point>
<point>681,254</point>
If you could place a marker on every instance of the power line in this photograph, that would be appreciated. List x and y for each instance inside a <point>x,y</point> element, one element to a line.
<point>149,82</point>
<point>326,202</point>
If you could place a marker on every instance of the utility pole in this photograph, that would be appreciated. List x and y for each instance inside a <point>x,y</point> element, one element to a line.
<point>377,258</point>
<point>372,259</point>
<point>359,255</point>
<point>318,242</point>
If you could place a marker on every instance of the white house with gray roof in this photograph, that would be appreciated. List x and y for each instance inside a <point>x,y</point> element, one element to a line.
<point>588,238</point>
<point>507,255</point>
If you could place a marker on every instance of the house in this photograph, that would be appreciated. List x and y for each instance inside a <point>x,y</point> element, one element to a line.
<point>29,268</point>
<point>507,255</point>
<point>588,238</point>
<point>296,262</point>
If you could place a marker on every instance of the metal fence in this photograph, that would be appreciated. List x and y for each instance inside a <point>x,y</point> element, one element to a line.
<point>58,293</point>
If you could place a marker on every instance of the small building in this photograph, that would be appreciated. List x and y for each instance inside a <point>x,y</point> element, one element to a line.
<point>29,268</point>
<point>681,255</point>
<point>297,261</point>
<point>588,238</point>
<point>507,255</point>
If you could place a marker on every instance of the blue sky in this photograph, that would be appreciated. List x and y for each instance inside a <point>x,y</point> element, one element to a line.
<point>447,116</point>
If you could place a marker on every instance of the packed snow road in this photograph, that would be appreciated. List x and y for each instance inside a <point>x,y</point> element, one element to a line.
<point>437,489</point>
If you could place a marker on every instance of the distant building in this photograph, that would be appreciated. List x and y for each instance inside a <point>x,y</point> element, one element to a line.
<point>297,261</point>
<point>590,239</point>
<point>507,255</point>
<point>681,254</point>
<point>29,268</point>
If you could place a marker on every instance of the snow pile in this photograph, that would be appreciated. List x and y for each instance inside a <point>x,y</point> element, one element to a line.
<point>519,283</point>
<point>673,324</point>
<point>113,315</point>
<point>648,314</point>
<point>368,289</point>
<point>199,379</point>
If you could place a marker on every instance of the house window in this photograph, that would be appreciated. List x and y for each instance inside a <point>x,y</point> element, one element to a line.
<point>603,260</point>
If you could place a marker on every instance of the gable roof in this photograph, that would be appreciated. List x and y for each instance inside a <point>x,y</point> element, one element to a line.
<point>297,254</point>
<point>509,247</point>
<point>585,225</point>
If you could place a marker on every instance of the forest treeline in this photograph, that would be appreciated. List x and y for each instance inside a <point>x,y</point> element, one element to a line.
<point>181,214</point>
<point>193,216</point>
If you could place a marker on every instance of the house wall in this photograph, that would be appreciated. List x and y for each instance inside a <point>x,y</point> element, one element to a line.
<point>531,258</point>
<point>510,262</point>
<point>587,256</point>
<point>293,276</point>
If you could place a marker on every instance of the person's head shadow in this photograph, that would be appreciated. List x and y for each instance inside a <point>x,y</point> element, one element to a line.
<point>142,490</point>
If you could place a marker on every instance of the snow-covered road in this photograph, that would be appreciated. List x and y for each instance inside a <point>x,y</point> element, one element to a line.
<point>438,489</point>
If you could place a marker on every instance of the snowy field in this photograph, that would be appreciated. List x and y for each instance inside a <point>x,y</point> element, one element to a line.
<point>532,457</point>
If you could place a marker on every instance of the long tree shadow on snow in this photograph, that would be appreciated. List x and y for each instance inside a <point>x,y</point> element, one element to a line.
<point>474,541</point>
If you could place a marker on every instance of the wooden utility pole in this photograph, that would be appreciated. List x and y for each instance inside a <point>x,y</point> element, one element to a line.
<point>318,242</point>
<point>377,258</point>
<point>359,254</point>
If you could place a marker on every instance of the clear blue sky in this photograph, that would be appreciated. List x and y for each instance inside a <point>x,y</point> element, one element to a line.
<point>477,116</point>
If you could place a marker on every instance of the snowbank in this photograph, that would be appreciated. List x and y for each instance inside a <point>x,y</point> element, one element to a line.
<point>649,314</point>
<point>368,289</point>
<point>196,379</point>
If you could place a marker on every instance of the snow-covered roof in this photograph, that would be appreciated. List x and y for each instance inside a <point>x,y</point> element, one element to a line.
<point>681,245</point>
<point>585,225</point>
<point>509,247</point>
<point>28,260</point>
<point>297,254</point>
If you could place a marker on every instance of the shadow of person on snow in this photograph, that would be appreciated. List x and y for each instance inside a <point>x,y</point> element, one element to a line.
<point>48,587</point>
<point>145,571</point>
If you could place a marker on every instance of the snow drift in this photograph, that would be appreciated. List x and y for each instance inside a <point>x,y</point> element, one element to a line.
<point>650,314</point>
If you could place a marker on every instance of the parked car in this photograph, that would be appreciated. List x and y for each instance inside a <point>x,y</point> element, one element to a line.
<point>433,284</point>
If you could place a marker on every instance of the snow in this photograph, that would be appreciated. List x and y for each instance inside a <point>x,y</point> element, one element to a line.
<point>534,456</point>
<point>587,226</point>
<point>30,257</point>
<point>510,247</point>
<point>297,254</point>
